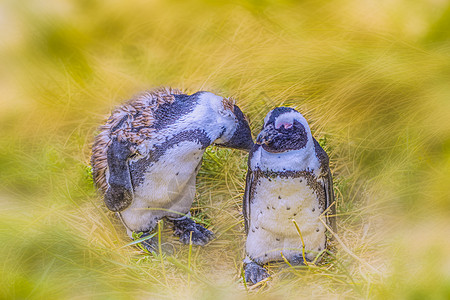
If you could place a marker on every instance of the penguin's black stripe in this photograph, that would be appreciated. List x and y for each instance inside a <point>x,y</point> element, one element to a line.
<point>138,168</point>
<point>322,156</point>
<point>169,113</point>
<point>120,123</point>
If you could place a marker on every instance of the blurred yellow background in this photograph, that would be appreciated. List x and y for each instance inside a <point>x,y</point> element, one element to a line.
<point>371,77</point>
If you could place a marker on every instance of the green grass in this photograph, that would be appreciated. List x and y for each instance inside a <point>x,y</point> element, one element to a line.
<point>371,77</point>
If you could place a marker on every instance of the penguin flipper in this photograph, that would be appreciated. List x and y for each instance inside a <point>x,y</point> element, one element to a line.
<point>119,194</point>
<point>246,202</point>
<point>327,183</point>
<point>329,194</point>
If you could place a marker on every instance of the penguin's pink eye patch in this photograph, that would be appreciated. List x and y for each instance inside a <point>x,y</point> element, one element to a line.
<point>284,124</point>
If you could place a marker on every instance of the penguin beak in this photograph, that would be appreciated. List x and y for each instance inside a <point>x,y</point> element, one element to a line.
<point>262,138</point>
<point>266,135</point>
<point>242,137</point>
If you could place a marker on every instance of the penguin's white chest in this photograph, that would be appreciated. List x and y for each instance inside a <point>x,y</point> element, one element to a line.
<point>167,188</point>
<point>275,203</point>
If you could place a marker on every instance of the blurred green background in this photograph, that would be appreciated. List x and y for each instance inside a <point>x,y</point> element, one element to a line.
<point>371,77</point>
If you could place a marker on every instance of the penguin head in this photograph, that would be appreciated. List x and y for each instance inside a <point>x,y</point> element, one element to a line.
<point>229,123</point>
<point>284,129</point>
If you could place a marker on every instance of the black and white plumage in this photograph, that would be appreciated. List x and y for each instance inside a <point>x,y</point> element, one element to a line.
<point>147,155</point>
<point>288,179</point>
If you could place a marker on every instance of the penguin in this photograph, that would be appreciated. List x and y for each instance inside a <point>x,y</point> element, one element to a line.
<point>146,157</point>
<point>288,180</point>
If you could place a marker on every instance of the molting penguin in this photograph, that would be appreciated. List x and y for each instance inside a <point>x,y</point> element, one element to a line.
<point>288,179</point>
<point>146,157</point>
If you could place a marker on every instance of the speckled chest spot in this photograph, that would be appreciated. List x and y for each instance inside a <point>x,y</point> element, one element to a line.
<point>276,201</point>
<point>302,177</point>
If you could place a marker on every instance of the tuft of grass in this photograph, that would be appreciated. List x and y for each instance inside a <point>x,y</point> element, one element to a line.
<point>371,77</point>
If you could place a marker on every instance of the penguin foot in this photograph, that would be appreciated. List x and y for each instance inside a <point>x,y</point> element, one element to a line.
<point>254,273</point>
<point>200,235</point>
<point>297,260</point>
<point>151,244</point>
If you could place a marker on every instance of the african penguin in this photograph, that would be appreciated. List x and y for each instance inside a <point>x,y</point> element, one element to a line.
<point>288,179</point>
<point>146,157</point>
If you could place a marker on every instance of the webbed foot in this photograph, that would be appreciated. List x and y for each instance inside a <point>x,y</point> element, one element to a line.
<point>150,244</point>
<point>297,260</point>
<point>200,235</point>
<point>254,273</point>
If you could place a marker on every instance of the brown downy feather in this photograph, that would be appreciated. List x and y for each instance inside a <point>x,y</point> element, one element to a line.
<point>228,103</point>
<point>135,113</point>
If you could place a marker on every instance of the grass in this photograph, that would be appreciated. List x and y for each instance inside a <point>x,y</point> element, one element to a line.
<point>371,77</point>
